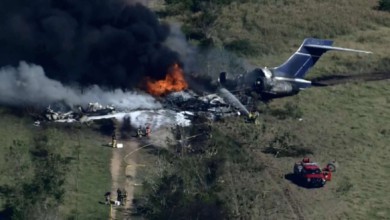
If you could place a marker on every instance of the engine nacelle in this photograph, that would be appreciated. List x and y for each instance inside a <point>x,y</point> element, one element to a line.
<point>260,80</point>
<point>281,87</point>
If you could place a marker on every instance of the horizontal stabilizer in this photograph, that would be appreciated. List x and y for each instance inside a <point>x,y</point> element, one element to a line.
<point>306,57</point>
<point>324,47</point>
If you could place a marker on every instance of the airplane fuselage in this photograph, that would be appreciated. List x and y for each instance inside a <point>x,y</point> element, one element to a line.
<point>263,82</point>
<point>288,78</point>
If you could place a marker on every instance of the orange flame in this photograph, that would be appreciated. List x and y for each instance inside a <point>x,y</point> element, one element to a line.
<point>174,81</point>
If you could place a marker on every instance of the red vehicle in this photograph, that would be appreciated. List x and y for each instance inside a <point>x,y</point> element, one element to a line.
<point>310,174</point>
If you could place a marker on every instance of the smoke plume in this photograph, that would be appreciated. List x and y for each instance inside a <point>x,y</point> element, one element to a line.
<point>177,42</point>
<point>28,85</point>
<point>110,43</point>
<point>207,61</point>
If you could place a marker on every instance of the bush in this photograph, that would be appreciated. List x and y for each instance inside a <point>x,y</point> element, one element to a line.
<point>284,146</point>
<point>194,187</point>
<point>200,17</point>
<point>37,179</point>
<point>168,199</point>
<point>384,5</point>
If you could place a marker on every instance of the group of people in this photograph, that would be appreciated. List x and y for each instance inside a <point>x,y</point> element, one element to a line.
<point>121,197</point>
<point>141,133</point>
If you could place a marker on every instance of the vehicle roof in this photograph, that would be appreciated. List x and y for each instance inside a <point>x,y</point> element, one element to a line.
<point>311,166</point>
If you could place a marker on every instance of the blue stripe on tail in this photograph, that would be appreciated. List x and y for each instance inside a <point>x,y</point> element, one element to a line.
<point>303,59</point>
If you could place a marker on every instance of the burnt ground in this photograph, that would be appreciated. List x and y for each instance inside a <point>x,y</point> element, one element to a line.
<point>331,80</point>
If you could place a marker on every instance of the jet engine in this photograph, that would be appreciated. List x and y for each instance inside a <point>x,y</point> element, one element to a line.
<point>260,80</point>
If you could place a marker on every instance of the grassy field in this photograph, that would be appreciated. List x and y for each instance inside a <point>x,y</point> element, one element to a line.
<point>276,29</point>
<point>88,177</point>
<point>354,129</point>
<point>266,33</point>
<point>348,123</point>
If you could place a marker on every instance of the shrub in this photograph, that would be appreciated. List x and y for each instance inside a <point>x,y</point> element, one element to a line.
<point>284,146</point>
<point>384,5</point>
<point>37,180</point>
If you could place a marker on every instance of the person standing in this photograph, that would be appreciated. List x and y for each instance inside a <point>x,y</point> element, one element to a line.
<point>107,197</point>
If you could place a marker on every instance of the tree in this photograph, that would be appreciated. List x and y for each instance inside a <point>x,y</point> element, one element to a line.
<point>36,179</point>
<point>384,5</point>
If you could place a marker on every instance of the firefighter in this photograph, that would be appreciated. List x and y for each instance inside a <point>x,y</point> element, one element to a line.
<point>327,173</point>
<point>256,118</point>
<point>119,195</point>
<point>252,117</point>
<point>139,132</point>
<point>113,143</point>
<point>147,131</point>
<point>124,196</point>
<point>107,197</point>
<point>249,117</point>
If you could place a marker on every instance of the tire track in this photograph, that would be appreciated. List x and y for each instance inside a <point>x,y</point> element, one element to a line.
<point>271,171</point>
<point>332,80</point>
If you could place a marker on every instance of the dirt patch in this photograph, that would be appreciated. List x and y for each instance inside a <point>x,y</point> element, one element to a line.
<point>115,173</point>
<point>130,171</point>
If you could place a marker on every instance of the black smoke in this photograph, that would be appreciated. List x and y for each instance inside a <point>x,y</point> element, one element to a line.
<point>104,42</point>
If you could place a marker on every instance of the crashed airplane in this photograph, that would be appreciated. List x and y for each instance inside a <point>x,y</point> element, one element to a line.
<point>179,108</point>
<point>287,79</point>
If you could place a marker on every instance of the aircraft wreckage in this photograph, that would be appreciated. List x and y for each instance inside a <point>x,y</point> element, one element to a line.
<point>181,107</point>
<point>178,108</point>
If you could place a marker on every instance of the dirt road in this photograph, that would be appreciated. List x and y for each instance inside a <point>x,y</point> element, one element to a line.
<point>115,172</point>
<point>123,171</point>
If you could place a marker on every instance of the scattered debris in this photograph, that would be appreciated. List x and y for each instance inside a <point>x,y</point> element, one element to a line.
<point>179,108</point>
<point>94,108</point>
<point>52,115</point>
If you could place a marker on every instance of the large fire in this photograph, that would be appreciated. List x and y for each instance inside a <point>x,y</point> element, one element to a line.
<point>174,81</point>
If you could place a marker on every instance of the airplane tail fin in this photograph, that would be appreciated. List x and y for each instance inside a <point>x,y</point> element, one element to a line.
<point>306,56</point>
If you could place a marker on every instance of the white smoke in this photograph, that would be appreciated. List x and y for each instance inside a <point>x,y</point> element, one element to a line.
<point>28,85</point>
<point>155,118</point>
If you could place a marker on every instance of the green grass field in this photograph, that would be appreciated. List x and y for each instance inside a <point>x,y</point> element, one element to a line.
<point>88,177</point>
<point>268,32</point>
<point>349,123</point>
